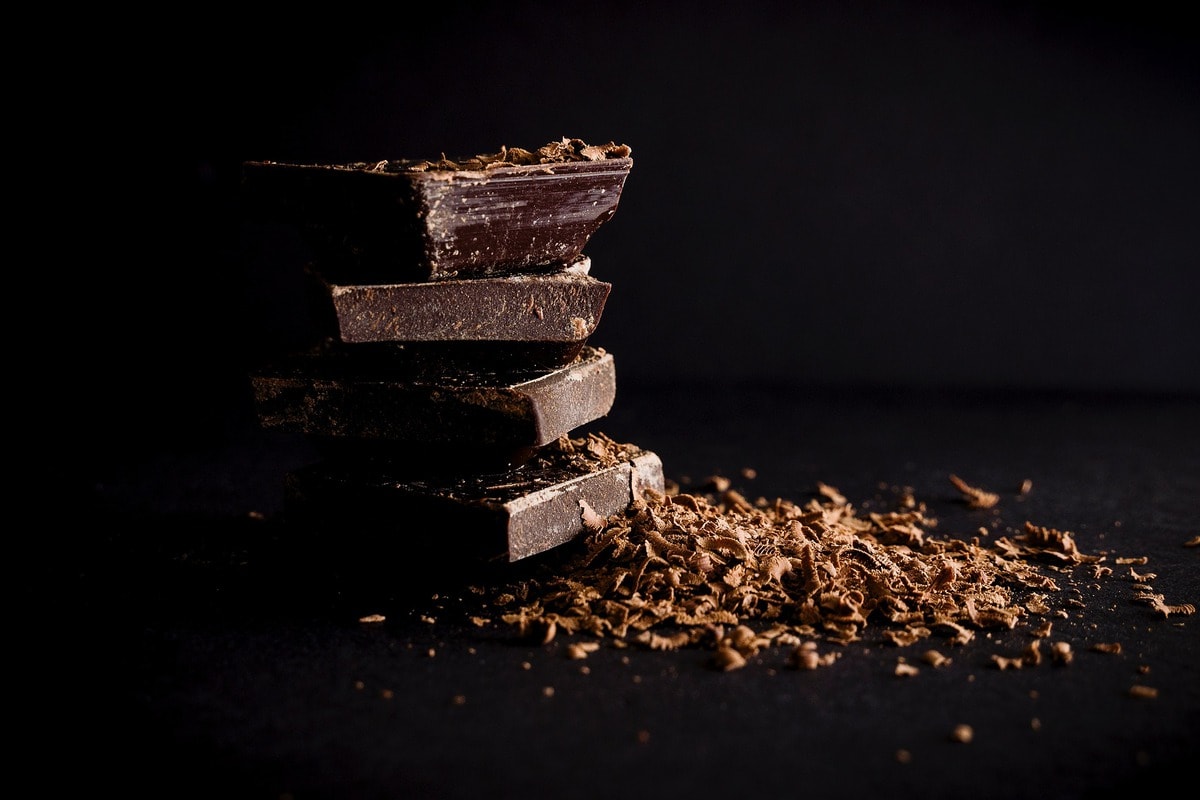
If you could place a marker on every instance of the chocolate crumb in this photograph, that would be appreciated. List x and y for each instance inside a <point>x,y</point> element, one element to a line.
<point>962,733</point>
<point>935,659</point>
<point>727,658</point>
<point>974,496</point>
<point>1062,653</point>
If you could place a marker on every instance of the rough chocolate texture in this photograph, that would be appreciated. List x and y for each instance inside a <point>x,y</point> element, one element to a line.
<point>362,398</point>
<point>559,307</point>
<point>506,517</point>
<point>392,223</point>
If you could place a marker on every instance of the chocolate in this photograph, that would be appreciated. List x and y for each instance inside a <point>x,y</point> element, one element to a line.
<point>506,517</point>
<point>407,221</point>
<point>560,307</point>
<point>366,400</point>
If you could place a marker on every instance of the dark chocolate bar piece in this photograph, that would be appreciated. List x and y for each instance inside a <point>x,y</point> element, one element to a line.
<point>354,397</point>
<point>559,307</point>
<point>507,517</point>
<point>403,221</point>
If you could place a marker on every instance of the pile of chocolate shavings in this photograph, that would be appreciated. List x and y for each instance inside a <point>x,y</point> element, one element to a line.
<point>714,570</point>
<point>564,150</point>
<point>596,450</point>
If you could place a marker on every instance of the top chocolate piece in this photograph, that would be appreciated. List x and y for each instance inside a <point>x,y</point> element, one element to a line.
<point>514,211</point>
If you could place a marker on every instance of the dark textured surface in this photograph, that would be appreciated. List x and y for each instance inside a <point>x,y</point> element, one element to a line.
<point>205,656</point>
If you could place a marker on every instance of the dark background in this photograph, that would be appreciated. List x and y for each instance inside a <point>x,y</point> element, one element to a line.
<point>983,196</point>
<point>862,244</point>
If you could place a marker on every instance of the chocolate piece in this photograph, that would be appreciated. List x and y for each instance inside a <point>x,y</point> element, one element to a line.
<point>561,307</point>
<point>402,221</point>
<point>362,398</point>
<point>508,517</point>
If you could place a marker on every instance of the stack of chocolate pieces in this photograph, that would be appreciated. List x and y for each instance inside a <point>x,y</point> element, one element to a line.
<point>450,368</point>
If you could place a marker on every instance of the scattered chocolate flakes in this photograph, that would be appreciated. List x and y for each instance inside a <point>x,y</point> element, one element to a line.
<point>974,496</point>
<point>906,636</point>
<point>1192,542</point>
<point>536,630</point>
<point>1140,578</point>
<point>371,619</point>
<point>905,670</point>
<point>727,658</point>
<point>580,650</point>
<point>592,521</point>
<point>806,657</point>
<point>832,494</point>
<point>1113,648</point>
<point>564,150</point>
<point>709,569</point>
<point>962,733</point>
<point>1031,657</point>
<point>935,659</point>
<point>1146,595</point>
<point>1037,605</point>
<point>1145,692</point>
<point>1062,653</point>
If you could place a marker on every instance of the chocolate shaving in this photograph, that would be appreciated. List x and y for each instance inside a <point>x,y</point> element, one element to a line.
<point>561,151</point>
<point>974,496</point>
<point>711,569</point>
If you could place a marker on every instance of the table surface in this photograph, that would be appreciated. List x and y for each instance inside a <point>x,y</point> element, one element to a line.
<point>206,655</point>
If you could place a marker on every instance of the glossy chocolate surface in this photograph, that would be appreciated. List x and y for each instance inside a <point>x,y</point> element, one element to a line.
<point>369,225</point>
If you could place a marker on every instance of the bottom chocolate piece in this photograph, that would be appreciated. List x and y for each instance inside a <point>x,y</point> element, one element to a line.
<point>508,516</point>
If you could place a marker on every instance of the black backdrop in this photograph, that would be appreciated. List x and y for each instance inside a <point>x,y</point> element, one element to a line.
<point>831,204</point>
<point>988,196</point>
